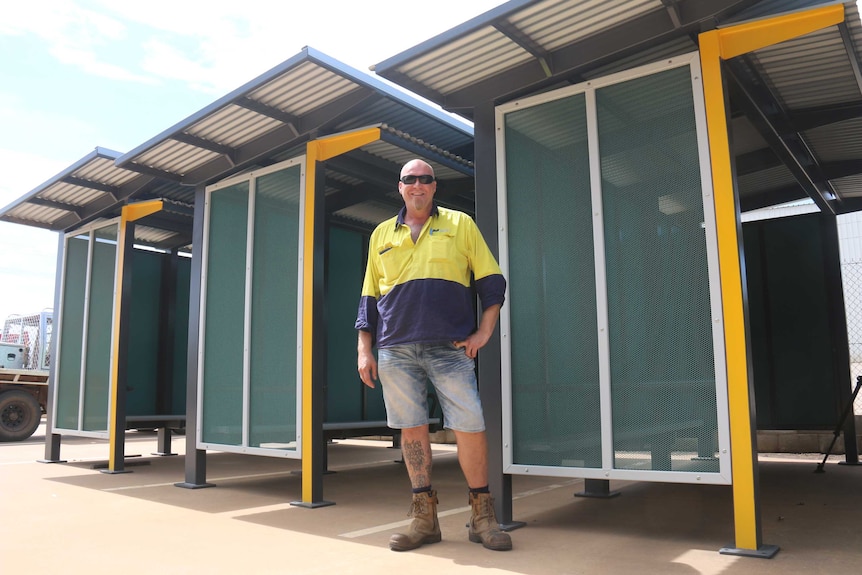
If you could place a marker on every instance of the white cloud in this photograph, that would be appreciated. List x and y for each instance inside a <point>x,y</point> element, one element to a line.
<point>169,61</point>
<point>41,137</point>
<point>73,34</point>
<point>33,250</point>
<point>89,62</point>
<point>217,45</point>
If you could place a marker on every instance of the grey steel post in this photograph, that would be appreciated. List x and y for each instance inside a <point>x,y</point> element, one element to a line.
<point>196,459</point>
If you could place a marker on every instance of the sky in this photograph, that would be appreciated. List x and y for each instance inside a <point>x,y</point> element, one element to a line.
<point>81,74</point>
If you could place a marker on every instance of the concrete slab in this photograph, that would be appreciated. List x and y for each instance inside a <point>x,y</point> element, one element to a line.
<point>69,518</point>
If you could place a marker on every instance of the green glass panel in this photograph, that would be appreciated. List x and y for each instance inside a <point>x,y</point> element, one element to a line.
<point>143,353</point>
<point>556,416</point>
<point>100,320</point>
<point>792,345</point>
<point>181,336</point>
<point>274,320</point>
<point>344,391</point>
<point>71,332</point>
<point>224,313</point>
<point>660,329</point>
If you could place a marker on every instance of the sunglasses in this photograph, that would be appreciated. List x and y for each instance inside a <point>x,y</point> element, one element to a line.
<point>411,179</point>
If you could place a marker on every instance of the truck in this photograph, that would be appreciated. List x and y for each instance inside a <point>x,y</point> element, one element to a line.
<point>25,364</point>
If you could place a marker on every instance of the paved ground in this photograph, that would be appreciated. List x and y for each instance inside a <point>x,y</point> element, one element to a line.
<point>69,518</point>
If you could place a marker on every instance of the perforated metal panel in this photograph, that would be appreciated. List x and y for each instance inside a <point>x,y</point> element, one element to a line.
<point>274,317</point>
<point>86,329</point>
<point>250,350</point>
<point>555,373</point>
<point>608,243</point>
<point>223,341</point>
<point>71,349</point>
<point>659,323</point>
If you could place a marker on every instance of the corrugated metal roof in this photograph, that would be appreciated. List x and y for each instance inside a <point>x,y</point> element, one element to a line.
<point>770,178</point>
<point>81,193</point>
<point>264,121</point>
<point>849,187</point>
<point>838,141</point>
<point>553,24</point>
<point>307,96</point>
<point>813,70</point>
<point>798,102</point>
<point>499,54</point>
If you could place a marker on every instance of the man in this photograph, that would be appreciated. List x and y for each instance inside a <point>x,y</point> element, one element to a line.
<point>417,306</point>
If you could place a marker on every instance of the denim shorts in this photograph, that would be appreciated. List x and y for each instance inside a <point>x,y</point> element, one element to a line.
<point>404,372</point>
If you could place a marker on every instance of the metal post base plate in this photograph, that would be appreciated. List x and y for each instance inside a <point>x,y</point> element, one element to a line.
<point>597,489</point>
<point>762,552</point>
<point>511,526</point>
<point>312,504</point>
<point>185,485</point>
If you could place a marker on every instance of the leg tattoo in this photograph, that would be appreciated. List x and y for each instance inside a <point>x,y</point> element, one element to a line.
<point>417,457</point>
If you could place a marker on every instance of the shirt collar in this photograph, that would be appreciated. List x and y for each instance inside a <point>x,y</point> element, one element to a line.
<point>399,221</point>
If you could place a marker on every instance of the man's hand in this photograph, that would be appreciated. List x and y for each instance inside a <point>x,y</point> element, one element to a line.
<point>367,369</point>
<point>366,364</point>
<point>474,342</point>
<point>477,340</point>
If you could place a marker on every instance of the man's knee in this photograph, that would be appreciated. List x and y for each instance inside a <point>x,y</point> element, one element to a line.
<point>418,433</point>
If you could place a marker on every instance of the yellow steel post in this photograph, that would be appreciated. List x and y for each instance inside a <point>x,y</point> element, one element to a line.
<point>307,440</point>
<point>128,214</point>
<point>715,46</point>
<point>316,151</point>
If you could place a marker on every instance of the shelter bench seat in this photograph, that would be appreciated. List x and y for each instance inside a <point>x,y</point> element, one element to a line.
<point>346,429</point>
<point>657,438</point>
<point>163,423</point>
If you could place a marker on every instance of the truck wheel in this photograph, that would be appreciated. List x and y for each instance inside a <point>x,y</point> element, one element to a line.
<point>20,415</point>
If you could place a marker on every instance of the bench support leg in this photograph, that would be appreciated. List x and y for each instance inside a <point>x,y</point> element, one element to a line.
<point>164,442</point>
<point>597,488</point>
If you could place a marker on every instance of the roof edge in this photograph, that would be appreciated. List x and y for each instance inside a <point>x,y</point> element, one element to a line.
<point>98,152</point>
<point>439,40</point>
<point>307,54</point>
<point>267,76</point>
<point>394,91</point>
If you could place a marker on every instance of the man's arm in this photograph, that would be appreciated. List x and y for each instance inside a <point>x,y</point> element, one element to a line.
<point>477,340</point>
<point>366,363</point>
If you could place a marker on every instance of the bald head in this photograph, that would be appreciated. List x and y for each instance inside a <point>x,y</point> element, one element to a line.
<point>417,167</point>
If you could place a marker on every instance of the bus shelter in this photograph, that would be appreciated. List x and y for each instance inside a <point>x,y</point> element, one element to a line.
<point>616,147</point>
<point>209,278</point>
<point>276,373</point>
<point>122,333</point>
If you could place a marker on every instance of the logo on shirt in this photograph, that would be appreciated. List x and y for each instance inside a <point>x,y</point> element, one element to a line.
<point>433,231</point>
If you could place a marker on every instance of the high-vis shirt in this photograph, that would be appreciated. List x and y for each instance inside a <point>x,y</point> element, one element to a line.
<point>422,292</point>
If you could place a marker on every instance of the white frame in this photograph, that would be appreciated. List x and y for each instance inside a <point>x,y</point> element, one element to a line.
<point>90,231</point>
<point>607,470</point>
<point>251,177</point>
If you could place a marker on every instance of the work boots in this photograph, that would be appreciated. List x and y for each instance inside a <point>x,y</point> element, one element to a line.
<point>424,529</point>
<point>483,525</point>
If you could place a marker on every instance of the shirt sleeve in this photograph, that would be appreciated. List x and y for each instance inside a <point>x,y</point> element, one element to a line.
<point>367,315</point>
<point>489,280</point>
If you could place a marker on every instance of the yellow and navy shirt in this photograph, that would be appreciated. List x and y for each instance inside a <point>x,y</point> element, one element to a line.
<point>422,292</point>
